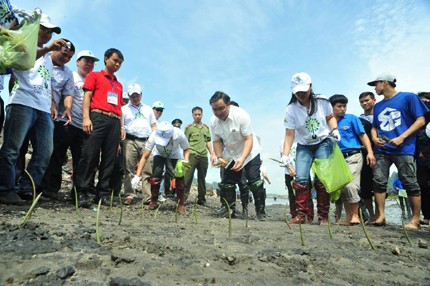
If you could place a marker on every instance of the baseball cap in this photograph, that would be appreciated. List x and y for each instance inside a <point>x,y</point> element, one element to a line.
<point>163,133</point>
<point>157,104</point>
<point>134,88</point>
<point>300,82</point>
<point>45,21</point>
<point>87,54</point>
<point>177,122</point>
<point>125,96</point>
<point>383,77</point>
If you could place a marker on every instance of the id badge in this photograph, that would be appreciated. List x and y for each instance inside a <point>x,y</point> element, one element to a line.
<point>112,98</point>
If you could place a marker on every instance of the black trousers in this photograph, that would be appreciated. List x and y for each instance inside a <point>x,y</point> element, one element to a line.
<point>105,138</point>
<point>251,170</point>
<point>65,137</point>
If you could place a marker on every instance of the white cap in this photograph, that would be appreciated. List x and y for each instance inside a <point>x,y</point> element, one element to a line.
<point>157,104</point>
<point>300,82</point>
<point>163,133</point>
<point>134,88</point>
<point>45,21</point>
<point>383,77</point>
<point>87,54</point>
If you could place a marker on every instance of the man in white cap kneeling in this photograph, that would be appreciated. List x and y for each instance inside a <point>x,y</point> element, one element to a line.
<point>167,143</point>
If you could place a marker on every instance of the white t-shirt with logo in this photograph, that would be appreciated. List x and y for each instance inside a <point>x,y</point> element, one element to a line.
<point>32,87</point>
<point>138,119</point>
<point>309,130</point>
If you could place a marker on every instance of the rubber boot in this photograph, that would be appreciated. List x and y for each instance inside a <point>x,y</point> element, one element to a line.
<point>103,196</point>
<point>323,202</point>
<point>311,213</point>
<point>155,189</point>
<point>292,200</point>
<point>259,193</point>
<point>224,191</point>
<point>244,198</point>
<point>180,194</point>
<point>302,203</point>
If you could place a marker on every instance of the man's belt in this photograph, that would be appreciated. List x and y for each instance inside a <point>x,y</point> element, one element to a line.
<point>350,153</point>
<point>109,114</point>
<point>132,137</point>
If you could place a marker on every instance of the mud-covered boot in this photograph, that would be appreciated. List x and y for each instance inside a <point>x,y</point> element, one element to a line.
<point>323,203</point>
<point>244,198</point>
<point>225,190</point>
<point>155,189</point>
<point>302,203</point>
<point>259,193</point>
<point>180,194</point>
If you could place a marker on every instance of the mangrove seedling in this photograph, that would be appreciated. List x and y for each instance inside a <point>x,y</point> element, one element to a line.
<point>301,234</point>
<point>195,212</point>
<point>365,230</point>
<point>229,217</point>
<point>76,201</point>
<point>403,224</point>
<point>330,213</point>
<point>28,215</point>
<point>97,222</point>
<point>32,183</point>
<point>120,209</point>
<point>111,203</point>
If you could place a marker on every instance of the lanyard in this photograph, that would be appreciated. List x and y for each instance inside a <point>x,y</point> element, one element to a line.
<point>112,83</point>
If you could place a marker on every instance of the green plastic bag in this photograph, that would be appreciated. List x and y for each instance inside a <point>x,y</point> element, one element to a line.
<point>179,169</point>
<point>18,48</point>
<point>333,172</point>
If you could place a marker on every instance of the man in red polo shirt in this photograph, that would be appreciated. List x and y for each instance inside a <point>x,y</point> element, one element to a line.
<point>101,112</point>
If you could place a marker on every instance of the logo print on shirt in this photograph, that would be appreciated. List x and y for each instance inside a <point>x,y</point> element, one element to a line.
<point>389,119</point>
<point>312,125</point>
<point>44,73</point>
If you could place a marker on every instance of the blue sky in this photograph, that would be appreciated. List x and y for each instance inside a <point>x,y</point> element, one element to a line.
<point>181,52</point>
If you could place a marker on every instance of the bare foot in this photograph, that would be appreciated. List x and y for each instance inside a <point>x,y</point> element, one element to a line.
<point>412,226</point>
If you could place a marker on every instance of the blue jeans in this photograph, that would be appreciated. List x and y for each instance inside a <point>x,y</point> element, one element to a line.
<point>38,125</point>
<point>305,155</point>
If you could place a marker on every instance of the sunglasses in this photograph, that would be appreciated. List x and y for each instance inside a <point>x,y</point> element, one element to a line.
<point>159,109</point>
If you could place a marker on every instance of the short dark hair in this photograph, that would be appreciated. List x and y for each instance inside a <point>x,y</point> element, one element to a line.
<point>424,94</point>
<point>220,95</point>
<point>197,108</point>
<point>234,103</point>
<point>366,93</point>
<point>111,51</point>
<point>338,98</point>
<point>72,47</point>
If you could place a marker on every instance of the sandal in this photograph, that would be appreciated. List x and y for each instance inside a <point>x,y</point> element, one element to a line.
<point>128,201</point>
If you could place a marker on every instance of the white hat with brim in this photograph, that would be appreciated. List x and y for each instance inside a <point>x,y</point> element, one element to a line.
<point>383,77</point>
<point>158,104</point>
<point>45,21</point>
<point>134,88</point>
<point>300,82</point>
<point>87,54</point>
<point>163,133</point>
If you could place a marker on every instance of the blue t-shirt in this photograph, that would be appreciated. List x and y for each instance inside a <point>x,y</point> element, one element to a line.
<point>394,116</point>
<point>350,127</point>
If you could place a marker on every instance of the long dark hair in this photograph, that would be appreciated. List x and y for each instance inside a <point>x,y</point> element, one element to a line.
<point>313,100</point>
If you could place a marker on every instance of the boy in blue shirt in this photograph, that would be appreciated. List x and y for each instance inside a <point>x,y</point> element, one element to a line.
<point>352,136</point>
<point>396,119</point>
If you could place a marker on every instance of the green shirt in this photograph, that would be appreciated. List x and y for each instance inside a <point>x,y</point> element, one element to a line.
<point>198,137</point>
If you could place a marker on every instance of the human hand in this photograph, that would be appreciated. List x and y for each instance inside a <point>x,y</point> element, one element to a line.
<point>335,135</point>
<point>287,160</point>
<point>135,182</point>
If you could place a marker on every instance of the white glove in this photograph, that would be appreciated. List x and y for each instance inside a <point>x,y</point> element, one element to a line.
<point>335,135</point>
<point>135,182</point>
<point>287,160</point>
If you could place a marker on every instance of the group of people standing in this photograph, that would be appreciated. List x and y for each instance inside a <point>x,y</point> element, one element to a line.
<point>396,122</point>
<point>57,109</point>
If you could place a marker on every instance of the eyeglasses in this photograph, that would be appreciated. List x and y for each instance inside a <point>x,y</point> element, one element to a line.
<point>46,30</point>
<point>159,109</point>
